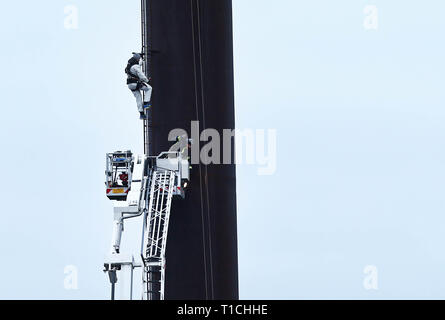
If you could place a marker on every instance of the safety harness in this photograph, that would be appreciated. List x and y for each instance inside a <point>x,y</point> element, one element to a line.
<point>132,78</point>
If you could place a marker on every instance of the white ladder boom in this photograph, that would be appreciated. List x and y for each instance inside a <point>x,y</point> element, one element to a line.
<point>155,233</point>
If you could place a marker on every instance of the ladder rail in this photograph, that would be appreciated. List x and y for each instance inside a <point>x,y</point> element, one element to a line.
<point>164,243</point>
<point>144,44</point>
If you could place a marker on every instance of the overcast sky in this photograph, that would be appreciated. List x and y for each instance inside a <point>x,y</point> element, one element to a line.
<point>360,146</point>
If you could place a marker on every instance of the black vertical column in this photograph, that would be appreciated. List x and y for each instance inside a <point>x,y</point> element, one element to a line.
<point>192,72</point>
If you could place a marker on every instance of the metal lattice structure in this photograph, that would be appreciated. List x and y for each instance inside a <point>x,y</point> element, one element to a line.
<point>155,233</point>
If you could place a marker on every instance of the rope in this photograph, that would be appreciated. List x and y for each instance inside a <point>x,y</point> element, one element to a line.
<point>205,127</point>
<point>200,166</point>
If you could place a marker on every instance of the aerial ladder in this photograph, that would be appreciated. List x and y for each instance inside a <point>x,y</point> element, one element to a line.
<point>165,184</point>
<point>144,186</point>
<point>155,234</point>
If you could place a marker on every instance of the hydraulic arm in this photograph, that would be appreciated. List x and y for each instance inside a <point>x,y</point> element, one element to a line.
<point>155,182</point>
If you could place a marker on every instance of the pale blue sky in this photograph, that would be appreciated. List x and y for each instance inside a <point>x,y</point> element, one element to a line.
<point>359,116</point>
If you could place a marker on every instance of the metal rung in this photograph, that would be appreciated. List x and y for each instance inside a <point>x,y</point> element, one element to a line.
<point>153,264</point>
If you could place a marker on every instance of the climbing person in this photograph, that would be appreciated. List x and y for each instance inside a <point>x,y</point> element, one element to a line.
<point>138,82</point>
